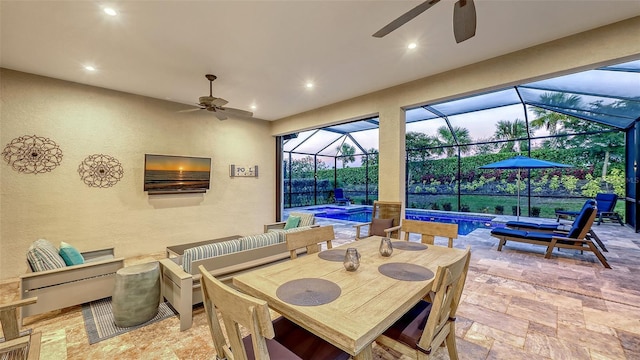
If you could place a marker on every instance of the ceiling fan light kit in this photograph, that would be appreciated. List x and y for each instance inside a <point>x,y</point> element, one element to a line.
<point>464,19</point>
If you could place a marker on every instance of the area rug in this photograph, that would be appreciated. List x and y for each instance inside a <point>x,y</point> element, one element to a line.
<point>100,324</point>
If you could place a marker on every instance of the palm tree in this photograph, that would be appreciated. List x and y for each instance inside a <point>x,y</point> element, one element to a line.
<point>346,152</point>
<point>445,137</point>
<point>511,130</point>
<point>420,146</point>
<point>554,122</point>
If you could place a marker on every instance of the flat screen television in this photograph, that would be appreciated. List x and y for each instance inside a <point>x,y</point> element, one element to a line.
<point>166,174</point>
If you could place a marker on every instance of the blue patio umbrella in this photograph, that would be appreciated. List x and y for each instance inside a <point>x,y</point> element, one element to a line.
<point>523,162</point>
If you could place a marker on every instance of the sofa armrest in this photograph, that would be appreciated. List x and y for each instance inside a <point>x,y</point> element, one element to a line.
<point>177,289</point>
<point>276,225</point>
<point>68,286</point>
<point>100,253</point>
<point>41,279</point>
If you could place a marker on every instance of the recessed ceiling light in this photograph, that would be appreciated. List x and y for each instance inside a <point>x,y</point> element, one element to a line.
<point>412,46</point>
<point>89,68</point>
<point>110,11</point>
<point>309,85</point>
<point>253,107</point>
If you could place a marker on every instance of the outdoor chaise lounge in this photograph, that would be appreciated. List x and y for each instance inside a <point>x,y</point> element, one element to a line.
<point>555,227</point>
<point>574,239</point>
<point>606,209</point>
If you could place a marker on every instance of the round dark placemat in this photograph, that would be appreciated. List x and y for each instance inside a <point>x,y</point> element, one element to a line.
<point>308,292</point>
<point>407,245</point>
<point>406,272</point>
<point>332,255</point>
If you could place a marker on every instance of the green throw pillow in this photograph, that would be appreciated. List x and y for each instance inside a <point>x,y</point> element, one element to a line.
<point>70,255</point>
<point>292,222</point>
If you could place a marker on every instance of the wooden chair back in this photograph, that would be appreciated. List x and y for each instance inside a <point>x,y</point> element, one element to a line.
<point>388,210</point>
<point>429,230</point>
<point>309,239</point>
<point>17,346</point>
<point>437,320</point>
<point>446,293</point>
<point>236,309</point>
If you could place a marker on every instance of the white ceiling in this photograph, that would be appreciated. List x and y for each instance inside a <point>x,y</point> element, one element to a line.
<point>264,52</point>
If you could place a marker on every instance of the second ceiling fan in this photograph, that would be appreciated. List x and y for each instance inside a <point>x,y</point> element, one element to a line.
<point>464,19</point>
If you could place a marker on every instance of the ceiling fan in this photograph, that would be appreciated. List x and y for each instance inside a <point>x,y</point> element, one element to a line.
<point>215,104</point>
<point>464,19</point>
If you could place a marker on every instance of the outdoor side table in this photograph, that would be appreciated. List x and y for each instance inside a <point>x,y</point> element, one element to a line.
<point>136,296</point>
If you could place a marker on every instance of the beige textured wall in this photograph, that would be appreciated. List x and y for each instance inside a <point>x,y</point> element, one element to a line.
<point>85,120</point>
<point>610,44</point>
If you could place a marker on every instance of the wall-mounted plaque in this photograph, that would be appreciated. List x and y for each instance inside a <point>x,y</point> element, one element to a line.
<point>243,171</point>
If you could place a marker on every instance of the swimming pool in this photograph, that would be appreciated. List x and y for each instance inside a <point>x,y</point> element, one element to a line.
<point>466,223</point>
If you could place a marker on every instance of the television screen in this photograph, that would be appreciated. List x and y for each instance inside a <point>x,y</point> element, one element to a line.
<point>166,173</point>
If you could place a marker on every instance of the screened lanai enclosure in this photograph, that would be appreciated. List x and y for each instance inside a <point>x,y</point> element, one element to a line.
<point>588,120</point>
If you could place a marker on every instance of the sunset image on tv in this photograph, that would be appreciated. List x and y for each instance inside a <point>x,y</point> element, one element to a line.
<point>176,173</point>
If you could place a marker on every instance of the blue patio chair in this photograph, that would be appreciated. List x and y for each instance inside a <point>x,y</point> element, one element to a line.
<point>339,197</point>
<point>606,209</point>
<point>529,226</point>
<point>575,238</point>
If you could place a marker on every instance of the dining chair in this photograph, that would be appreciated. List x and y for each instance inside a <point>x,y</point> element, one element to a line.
<point>280,339</point>
<point>428,325</point>
<point>384,215</point>
<point>427,229</point>
<point>309,239</point>
<point>18,345</point>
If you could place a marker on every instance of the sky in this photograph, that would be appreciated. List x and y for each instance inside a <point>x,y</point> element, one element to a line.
<point>176,163</point>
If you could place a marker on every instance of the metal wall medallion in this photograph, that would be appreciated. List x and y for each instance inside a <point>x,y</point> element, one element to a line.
<point>102,171</point>
<point>32,154</point>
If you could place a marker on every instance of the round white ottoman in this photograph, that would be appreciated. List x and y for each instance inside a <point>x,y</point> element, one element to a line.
<point>137,294</point>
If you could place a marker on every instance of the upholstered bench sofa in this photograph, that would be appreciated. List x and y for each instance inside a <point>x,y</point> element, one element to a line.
<point>58,285</point>
<point>223,258</point>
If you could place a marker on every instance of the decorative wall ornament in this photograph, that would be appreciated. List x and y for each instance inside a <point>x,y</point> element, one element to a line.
<point>243,171</point>
<point>100,170</point>
<point>32,154</point>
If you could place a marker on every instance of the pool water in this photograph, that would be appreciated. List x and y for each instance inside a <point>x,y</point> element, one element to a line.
<point>466,223</point>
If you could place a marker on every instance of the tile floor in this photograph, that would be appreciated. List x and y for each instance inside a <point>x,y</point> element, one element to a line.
<point>516,305</point>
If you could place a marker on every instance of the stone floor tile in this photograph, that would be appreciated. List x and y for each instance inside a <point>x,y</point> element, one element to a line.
<point>603,344</point>
<point>503,351</point>
<point>485,335</point>
<point>482,315</point>
<point>612,320</point>
<point>535,311</point>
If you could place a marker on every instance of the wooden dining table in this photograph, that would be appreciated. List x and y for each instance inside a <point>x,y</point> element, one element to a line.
<point>368,302</point>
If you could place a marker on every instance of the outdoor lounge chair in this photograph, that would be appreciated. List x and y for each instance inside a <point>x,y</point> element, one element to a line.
<point>574,239</point>
<point>555,227</point>
<point>339,197</point>
<point>606,209</point>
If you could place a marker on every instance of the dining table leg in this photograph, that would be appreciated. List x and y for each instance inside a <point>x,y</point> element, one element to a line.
<point>365,354</point>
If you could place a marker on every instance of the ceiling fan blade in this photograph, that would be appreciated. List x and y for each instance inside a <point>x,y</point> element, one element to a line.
<point>190,110</point>
<point>404,18</point>
<point>238,112</point>
<point>219,102</point>
<point>464,20</point>
<point>220,115</point>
